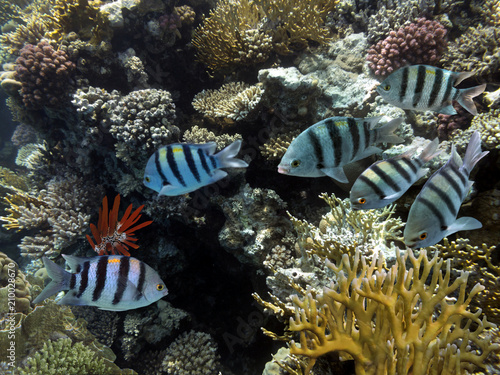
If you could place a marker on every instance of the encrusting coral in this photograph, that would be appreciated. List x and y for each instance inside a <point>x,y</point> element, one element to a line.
<point>422,42</point>
<point>10,274</point>
<point>245,32</point>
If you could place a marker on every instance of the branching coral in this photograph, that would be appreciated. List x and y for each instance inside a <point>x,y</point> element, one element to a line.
<point>235,100</point>
<point>245,32</point>
<point>422,42</point>
<point>60,214</point>
<point>201,135</point>
<point>391,321</point>
<point>344,231</point>
<point>275,148</point>
<point>477,50</point>
<point>45,75</point>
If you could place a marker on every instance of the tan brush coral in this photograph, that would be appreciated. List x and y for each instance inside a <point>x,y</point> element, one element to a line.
<point>276,147</point>
<point>391,321</point>
<point>245,32</point>
<point>343,231</point>
<point>196,134</point>
<point>234,100</point>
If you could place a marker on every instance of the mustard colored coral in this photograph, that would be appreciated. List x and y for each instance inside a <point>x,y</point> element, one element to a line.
<point>245,32</point>
<point>396,321</point>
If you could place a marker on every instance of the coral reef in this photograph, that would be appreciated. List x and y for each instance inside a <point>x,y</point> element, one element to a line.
<point>201,135</point>
<point>477,50</point>
<point>10,274</point>
<point>23,135</point>
<point>447,124</point>
<point>276,147</point>
<point>60,213</point>
<point>45,75</point>
<point>246,32</point>
<point>192,353</point>
<point>63,357</point>
<point>422,42</point>
<point>235,101</point>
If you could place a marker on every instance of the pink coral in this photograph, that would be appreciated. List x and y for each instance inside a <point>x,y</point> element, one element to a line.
<point>448,123</point>
<point>422,42</point>
<point>45,75</point>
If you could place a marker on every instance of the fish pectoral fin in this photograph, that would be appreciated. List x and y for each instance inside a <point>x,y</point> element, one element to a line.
<point>71,299</point>
<point>337,173</point>
<point>168,190</point>
<point>217,175</point>
<point>464,223</point>
<point>392,196</point>
<point>421,173</point>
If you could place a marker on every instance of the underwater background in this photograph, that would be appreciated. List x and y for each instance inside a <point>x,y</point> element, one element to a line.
<point>257,264</point>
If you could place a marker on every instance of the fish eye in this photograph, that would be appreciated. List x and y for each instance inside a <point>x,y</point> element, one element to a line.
<point>423,236</point>
<point>386,87</point>
<point>159,287</point>
<point>295,163</point>
<point>361,200</point>
<point>147,179</point>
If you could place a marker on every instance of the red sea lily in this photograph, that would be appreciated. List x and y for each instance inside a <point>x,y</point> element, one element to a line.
<point>113,236</point>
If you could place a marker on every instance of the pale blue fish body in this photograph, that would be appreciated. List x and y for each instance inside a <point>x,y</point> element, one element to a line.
<point>325,147</point>
<point>109,282</point>
<point>181,168</point>
<point>427,88</point>
<point>433,214</point>
<point>387,180</point>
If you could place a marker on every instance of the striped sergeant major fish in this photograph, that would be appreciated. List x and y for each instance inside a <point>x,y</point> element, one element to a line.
<point>325,147</point>
<point>427,88</point>
<point>114,282</point>
<point>181,168</point>
<point>387,180</point>
<point>433,215</point>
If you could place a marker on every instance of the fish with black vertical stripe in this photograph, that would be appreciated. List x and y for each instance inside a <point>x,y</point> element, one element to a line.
<point>387,180</point>
<point>433,214</point>
<point>325,147</point>
<point>181,168</point>
<point>109,282</point>
<point>427,88</point>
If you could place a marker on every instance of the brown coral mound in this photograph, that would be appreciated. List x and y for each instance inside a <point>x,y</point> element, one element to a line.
<point>45,75</point>
<point>422,42</point>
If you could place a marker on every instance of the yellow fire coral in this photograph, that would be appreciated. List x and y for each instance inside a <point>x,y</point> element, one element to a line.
<point>392,321</point>
<point>244,32</point>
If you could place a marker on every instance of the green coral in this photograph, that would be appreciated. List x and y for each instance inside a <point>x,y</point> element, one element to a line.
<point>61,357</point>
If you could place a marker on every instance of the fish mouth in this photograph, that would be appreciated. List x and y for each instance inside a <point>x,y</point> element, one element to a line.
<point>283,170</point>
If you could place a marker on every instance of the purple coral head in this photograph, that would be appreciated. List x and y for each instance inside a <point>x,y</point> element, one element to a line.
<point>422,42</point>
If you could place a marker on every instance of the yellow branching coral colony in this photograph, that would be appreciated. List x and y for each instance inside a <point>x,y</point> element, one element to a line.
<point>245,32</point>
<point>413,318</point>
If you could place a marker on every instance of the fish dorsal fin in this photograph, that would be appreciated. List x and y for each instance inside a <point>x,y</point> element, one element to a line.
<point>373,121</point>
<point>209,147</point>
<point>455,159</point>
<point>459,77</point>
<point>74,262</point>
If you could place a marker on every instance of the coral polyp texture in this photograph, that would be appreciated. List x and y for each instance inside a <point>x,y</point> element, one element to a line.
<point>246,32</point>
<point>422,42</point>
<point>235,101</point>
<point>45,75</point>
<point>391,321</point>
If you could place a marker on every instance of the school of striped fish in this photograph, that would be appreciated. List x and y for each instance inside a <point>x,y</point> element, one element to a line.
<point>120,283</point>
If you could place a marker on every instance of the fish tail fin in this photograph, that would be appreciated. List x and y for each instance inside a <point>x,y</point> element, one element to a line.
<point>227,158</point>
<point>60,280</point>
<point>473,153</point>
<point>466,95</point>
<point>385,133</point>
<point>429,151</point>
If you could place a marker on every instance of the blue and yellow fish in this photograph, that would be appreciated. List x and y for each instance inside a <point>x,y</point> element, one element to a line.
<point>387,180</point>
<point>113,282</point>
<point>181,168</point>
<point>433,215</point>
<point>427,88</point>
<point>325,147</point>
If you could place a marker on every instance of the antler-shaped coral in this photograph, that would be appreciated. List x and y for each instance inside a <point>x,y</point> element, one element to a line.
<point>393,322</point>
<point>113,236</point>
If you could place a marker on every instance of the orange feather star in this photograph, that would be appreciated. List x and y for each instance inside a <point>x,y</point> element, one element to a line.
<point>113,236</point>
